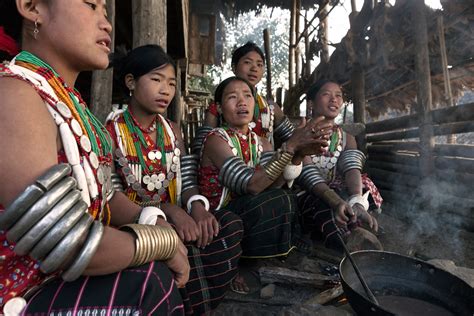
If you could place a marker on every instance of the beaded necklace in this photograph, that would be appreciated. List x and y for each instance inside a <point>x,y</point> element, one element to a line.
<point>243,145</point>
<point>86,143</point>
<point>73,101</point>
<point>327,161</point>
<point>150,169</point>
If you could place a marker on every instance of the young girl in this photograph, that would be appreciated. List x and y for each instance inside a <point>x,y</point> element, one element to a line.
<point>156,171</point>
<point>59,254</point>
<point>238,169</point>
<point>337,193</point>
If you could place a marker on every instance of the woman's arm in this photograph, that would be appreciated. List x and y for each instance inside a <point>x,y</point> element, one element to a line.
<point>352,177</point>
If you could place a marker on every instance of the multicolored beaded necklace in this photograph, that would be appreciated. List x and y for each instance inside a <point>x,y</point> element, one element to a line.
<point>244,145</point>
<point>327,161</point>
<point>71,97</point>
<point>154,166</point>
<point>96,147</point>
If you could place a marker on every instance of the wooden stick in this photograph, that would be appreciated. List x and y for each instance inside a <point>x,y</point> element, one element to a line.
<point>293,277</point>
<point>268,60</point>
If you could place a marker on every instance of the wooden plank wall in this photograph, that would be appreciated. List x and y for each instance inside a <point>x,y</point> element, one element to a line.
<point>393,164</point>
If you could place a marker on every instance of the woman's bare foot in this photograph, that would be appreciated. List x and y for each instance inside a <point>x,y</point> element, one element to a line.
<point>238,285</point>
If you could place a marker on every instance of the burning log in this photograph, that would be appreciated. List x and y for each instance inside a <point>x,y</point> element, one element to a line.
<point>326,296</point>
<point>292,277</point>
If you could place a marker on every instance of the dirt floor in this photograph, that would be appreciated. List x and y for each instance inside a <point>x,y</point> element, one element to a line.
<point>398,235</point>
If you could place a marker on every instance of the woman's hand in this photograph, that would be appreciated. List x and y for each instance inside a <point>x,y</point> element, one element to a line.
<point>207,223</point>
<point>311,138</point>
<point>179,264</point>
<point>185,226</point>
<point>344,214</point>
<point>365,217</point>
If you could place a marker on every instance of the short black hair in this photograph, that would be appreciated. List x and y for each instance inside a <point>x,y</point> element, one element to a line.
<point>221,87</point>
<point>315,87</point>
<point>244,50</point>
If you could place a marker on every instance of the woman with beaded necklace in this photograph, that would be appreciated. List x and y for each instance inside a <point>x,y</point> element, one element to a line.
<point>269,121</point>
<point>61,252</point>
<point>155,171</point>
<point>240,172</point>
<point>337,197</point>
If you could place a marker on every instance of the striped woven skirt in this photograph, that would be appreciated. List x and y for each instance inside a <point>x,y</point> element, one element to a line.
<point>213,267</point>
<point>144,290</point>
<point>268,222</point>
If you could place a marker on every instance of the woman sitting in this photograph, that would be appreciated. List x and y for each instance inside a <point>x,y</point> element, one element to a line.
<point>268,120</point>
<point>337,195</point>
<point>61,252</point>
<point>240,172</point>
<point>157,175</point>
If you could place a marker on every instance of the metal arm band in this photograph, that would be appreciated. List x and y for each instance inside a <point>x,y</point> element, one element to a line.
<point>310,176</point>
<point>284,130</point>
<point>350,159</point>
<point>277,164</point>
<point>235,175</point>
<point>266,157</point>
<point>198,140</point>
<point>189,172</point>
<point>152,243</point>
<point>117,185</point>
<point>49,222</point>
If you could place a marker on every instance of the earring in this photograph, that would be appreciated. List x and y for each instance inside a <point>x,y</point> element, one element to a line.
<point>130,93</point>
<point>36,30</point>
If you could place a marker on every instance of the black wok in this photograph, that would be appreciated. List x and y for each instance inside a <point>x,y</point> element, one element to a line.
<point>414,285</point>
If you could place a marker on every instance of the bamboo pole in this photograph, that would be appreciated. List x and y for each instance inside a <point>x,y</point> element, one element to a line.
<point>268,60</point>
<point>291,57</point>
<point>102,80</point>
<point>297,42</point>
<point>451,139</point>
<point>307,52</point>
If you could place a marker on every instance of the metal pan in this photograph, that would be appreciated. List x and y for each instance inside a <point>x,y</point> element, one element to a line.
<point>404,286</point>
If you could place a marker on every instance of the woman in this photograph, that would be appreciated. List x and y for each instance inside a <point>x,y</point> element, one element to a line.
<point>238,169</point>
<point>59,245</point>
<point>336,192</point>
<point>150,155</point>
<point>248,62</point>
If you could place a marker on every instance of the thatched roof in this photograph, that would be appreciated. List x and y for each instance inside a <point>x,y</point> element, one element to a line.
<point>387,54</point>
<point>233,8</point>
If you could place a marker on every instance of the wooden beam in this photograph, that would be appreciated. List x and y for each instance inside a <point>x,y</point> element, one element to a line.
<point>102,80</point>
<point>466,151</point>
<point>444,61</point>
<point>149,22</point>
<point>463,112</point>
<point>268,61</point>
<point>423,78</point>
<point>297,43</point>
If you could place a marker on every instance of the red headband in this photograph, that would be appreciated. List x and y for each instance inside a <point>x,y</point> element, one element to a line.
<point>7,43</point>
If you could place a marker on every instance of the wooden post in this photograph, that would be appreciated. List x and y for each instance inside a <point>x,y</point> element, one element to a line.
<point>268,60</point>
<point>291,57</point>
<point>358,83</point>
<point>149,22</point>
<point>297,41</point>
<point>451,139</point>
<point>102,80</point>
<point>324,34</point>
<point>423,79</point>
<point>307,52</point>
